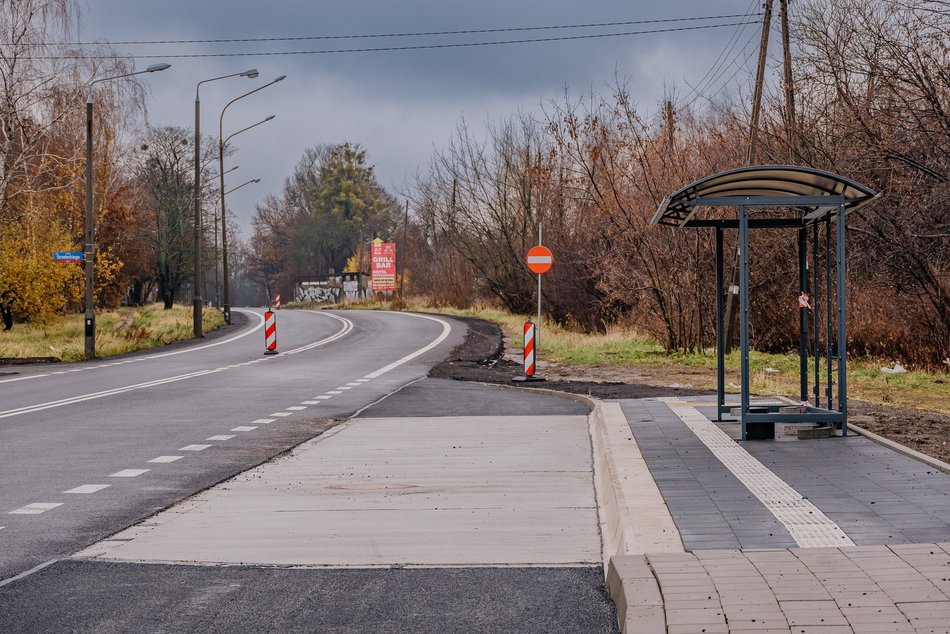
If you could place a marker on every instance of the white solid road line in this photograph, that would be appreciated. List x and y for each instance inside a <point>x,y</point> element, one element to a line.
<point>89,488</point>
<point>128,473</point>
<point>446,329</point>
<point>347,327</point>
<point>166,459</point>
<point>35,508</point>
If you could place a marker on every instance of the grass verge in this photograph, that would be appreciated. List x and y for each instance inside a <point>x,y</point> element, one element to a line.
<point>620,349</point>
<point>117,331</point>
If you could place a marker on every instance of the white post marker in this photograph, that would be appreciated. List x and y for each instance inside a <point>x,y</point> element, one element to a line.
<point>539,261</point>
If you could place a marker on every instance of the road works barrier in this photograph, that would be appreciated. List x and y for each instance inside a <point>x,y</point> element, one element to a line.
<point>530,346</point>
<point>270,333</point>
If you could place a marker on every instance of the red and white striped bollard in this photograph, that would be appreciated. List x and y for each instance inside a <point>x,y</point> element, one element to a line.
<point>529,355</point>
<point>270,332</point>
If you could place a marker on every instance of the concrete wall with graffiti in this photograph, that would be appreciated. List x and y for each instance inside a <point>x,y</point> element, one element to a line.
<point>332,289</point>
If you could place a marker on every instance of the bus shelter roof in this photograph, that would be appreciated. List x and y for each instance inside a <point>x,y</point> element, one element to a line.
<point>812,193</point>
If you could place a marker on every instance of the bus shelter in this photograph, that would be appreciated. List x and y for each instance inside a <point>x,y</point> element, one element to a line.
<point>803,199</point>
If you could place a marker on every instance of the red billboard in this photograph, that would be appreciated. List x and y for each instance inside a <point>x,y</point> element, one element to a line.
<point>383,266</point>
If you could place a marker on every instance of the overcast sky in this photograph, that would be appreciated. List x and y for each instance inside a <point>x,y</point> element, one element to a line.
<point>401,105</point>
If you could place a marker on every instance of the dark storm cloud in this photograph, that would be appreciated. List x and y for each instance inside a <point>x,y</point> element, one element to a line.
<point>398,104</point>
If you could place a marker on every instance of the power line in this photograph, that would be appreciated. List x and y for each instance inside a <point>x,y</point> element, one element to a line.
<point>387,35</point>
<point>714,70</point>
<point>395,48</point>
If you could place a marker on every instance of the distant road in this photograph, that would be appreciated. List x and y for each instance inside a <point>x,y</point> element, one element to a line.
<point>88,449</point>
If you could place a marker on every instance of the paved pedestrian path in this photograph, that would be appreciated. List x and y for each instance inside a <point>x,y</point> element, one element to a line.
<point>902,588</point>
<point>786,492</point>
<point>395,491</point>
<point>831,535</point>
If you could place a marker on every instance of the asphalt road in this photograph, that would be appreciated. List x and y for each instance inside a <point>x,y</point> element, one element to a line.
<point>89,449</point>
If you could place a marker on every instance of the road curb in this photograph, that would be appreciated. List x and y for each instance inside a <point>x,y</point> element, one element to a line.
<point>901,449</point>
<point>636,594</point>
<point>633,514</point>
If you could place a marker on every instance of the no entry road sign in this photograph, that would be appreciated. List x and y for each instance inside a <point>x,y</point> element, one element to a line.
<point>539,259</point>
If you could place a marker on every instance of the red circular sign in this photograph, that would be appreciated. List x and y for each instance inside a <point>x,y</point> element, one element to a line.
<point>539,259</point>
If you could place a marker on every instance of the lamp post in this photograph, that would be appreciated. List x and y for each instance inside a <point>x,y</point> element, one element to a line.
<point>217,295</point>
<point>197,317</point>
<point>90,251</point>
<point>224,214</point>
<point>217,292</point>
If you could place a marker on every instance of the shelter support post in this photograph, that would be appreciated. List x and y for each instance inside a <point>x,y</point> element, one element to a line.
<point>744,316</point>
<point>814,313</point>
<point>829,383</point>
<point>842,332</point>
<point>803,313</point>
<point>720,344</point>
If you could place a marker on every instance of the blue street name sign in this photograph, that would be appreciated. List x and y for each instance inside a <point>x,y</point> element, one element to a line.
<point>68,256</point>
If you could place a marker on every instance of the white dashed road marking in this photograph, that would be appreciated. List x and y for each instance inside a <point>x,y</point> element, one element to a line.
<point>89,488</point>
<point>244,428</point>
<point>309,402</point>
<point>194,448</point>
<point>222,437</point>
<point>354,384</point>
<point>344,387</point>
<point>334,392</point>
<point>322,397</point>
<point>808,526</point>
<point>128,473</point>
<point>36,508</point>
<point>362,380</point>
<point>262,421</point>
<point>297,408</point>
<point>166,459</point>
<point>281,414</point>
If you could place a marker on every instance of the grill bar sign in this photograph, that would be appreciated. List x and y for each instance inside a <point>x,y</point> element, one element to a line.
<point>68,256</point>
<point>383,263</point>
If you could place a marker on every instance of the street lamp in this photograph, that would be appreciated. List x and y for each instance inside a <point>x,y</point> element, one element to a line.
<point>224,215</point>
<point>90,254</point>
<point>197,318</point>
<point>216,286</point>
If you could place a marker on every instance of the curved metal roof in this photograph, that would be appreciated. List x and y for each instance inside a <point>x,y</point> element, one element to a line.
<point>764,185</point>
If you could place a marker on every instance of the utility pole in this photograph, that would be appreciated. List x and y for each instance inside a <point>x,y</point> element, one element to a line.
<point>670,121</point>
<point>405,250</point>
<point>759,81</point>
<point>791,120</point>
<point>732,292</point>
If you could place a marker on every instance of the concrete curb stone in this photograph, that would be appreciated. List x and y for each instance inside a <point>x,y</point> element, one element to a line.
<point>901,449</point>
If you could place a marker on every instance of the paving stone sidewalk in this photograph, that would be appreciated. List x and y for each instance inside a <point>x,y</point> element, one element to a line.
<point>902,588</point>
<point>745,569</point>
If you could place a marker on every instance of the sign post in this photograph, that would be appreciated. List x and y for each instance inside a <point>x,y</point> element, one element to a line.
<point>539,261</point>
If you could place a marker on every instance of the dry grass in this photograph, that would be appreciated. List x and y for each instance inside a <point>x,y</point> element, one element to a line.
<point>117,331</point>
<point>608,355</point>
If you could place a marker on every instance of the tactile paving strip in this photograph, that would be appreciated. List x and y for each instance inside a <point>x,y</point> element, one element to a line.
<point>808,526</point>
